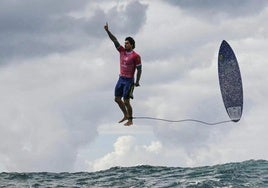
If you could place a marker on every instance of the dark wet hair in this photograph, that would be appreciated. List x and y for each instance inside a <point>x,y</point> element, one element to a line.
<point>131,41</point>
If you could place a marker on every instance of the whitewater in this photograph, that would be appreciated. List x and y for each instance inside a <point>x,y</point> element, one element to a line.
<point>251,173</point>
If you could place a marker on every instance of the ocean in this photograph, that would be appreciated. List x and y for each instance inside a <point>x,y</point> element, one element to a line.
<point>252,173</point>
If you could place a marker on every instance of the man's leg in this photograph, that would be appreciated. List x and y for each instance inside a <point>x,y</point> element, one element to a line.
<point>129,112</point>
<point>122,107</point>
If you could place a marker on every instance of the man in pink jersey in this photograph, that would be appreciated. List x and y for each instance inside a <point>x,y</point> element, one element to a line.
<point>129,62</point>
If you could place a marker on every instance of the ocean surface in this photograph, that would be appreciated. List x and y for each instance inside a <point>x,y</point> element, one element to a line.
<point>252,173</point>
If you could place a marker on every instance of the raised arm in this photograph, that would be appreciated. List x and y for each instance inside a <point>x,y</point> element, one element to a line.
<point>111,36</point>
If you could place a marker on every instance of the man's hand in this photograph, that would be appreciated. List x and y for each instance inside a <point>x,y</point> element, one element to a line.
<point>137,84</point>
<point>106,27</point>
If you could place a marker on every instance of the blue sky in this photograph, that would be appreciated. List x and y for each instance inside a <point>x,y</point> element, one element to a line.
<point>58,69</point>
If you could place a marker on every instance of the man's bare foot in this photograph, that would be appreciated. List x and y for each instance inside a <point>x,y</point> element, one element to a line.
<point>128,123</point>
<point>124,119</point>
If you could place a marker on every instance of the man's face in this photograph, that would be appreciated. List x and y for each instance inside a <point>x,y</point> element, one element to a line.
<point>128,46</point>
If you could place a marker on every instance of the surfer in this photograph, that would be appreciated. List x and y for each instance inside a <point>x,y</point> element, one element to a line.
<point>129,62</point>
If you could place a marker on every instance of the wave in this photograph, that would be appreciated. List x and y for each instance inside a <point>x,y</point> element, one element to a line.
<point>251,173</point>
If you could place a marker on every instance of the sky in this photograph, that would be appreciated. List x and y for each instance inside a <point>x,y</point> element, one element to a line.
<point>58,69</point>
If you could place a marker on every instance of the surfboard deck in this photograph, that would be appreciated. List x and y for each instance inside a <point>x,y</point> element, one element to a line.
<point>230,82</point>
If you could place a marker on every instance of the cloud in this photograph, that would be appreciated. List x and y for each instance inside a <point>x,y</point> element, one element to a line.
<point>37,28</point>
<point>128,153</point>
<point>132,16</point>
<point>220,9</point>
<point>48,111</point>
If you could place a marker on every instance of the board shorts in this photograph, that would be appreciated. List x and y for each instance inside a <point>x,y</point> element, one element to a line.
<point>124,87</point>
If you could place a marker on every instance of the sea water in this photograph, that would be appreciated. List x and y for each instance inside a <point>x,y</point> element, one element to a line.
<point>252,173</point>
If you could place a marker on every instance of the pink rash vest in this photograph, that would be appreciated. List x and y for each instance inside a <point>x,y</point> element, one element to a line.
<point>129,61</point>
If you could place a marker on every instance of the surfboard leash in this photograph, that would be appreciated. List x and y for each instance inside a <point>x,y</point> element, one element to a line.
<point>182,120</point>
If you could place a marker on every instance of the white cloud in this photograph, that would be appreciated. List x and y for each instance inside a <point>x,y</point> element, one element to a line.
<point>128,153</point>
<point>47,110</point>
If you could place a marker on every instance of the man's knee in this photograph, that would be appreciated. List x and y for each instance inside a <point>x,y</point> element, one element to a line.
<point>126,102</point>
